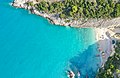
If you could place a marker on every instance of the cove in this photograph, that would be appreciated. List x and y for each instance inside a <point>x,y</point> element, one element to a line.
<point>31,47</point>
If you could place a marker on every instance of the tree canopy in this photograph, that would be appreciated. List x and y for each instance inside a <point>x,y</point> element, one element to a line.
<point>82,8</point>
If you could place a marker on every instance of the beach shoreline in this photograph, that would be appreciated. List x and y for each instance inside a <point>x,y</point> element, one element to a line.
<point>104,42</point>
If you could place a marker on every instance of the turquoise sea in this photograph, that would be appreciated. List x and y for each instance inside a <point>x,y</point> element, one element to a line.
<point>31,47</point>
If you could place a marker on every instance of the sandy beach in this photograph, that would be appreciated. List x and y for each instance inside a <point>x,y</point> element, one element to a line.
<point>104,40</point>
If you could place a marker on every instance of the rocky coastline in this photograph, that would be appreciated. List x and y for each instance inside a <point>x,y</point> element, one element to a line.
<point>81,23</point>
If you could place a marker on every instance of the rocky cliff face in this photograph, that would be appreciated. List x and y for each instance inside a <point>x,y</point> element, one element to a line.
<point>20,1</point>
<point>102,23</point>
<point>97,23</point>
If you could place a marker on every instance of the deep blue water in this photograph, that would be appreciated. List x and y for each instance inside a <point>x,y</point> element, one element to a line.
<point>31,47</point>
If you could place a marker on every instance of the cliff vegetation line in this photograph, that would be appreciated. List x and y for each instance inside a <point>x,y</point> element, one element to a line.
<point>80,8</point>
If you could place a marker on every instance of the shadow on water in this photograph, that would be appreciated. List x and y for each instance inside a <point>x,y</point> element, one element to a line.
<point>86,62</point>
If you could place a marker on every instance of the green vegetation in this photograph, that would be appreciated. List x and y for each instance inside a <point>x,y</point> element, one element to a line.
<point>30,3</point>
<point>81,8</point>
<point>112,66</point>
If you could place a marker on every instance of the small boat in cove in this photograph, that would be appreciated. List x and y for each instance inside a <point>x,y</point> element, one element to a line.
<point>70,74</point>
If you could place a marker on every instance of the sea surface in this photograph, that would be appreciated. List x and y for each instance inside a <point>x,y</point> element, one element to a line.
<point>31,47</point>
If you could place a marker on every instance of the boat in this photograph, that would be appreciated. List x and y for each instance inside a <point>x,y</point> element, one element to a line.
<point>70,74</point>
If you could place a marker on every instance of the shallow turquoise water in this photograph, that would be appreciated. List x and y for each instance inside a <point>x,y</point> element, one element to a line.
<point>31,47</point>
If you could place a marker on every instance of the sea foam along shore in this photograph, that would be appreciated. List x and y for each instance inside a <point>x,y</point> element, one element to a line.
<point>54,19</point>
